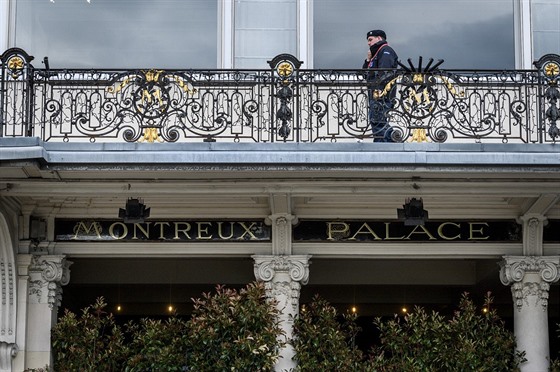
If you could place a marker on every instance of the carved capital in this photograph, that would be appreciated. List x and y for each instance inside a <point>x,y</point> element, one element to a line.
<point>47,276</point>
<point>529,276</point>
<point>7,352</point>
<point>297,267</point>
<point>283,277</point>
<point>522,291</point>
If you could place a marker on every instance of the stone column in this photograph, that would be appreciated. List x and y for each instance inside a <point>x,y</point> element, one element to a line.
<point>47,275</point>
<point>283,277</point>
<point>530,278</point>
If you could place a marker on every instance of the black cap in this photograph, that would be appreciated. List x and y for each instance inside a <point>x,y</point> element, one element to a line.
<point>377,33</point>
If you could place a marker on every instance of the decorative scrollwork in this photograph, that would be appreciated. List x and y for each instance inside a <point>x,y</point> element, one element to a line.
<point>283,103</point>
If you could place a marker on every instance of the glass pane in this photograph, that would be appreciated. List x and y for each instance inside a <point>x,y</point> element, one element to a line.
<point>470,34</point>
<point>119,34</point>
<point>264,29</point>
<point>546,27</point>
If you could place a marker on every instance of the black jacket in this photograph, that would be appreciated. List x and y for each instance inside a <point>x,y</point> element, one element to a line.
<point>383,57</point>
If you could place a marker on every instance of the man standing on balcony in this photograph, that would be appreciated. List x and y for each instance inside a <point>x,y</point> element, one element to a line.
<point>379,56</point>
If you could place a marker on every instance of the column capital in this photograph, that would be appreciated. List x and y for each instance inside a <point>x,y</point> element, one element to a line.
<point>530,276</point>
<point>514,268</point>
<point>48,272</point>
<point>296,266</point>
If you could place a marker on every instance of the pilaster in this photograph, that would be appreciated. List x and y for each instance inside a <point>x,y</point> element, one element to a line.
<point>283,277</point>
<point>23,265</point>
<point>8,290</point>
<point>530,278</point>
<point>281,224</point>
<point>533,225</point>
<point>47,275</point>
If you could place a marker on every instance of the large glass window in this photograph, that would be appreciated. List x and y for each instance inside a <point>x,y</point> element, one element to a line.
<point>545,17</point>
<point>119,33</point>
<point>470,34</point>
<point>264,29</point>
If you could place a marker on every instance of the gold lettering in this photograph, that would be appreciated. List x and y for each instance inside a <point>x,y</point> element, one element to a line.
<point>81,227</point>
<point>112,231</point>
<point>247,230</point>
<point>472,231</point>
<point>424,231</point>
<point>445,237</point>
<point>369,231</point>
<point>230,230</point>
<point>161,230</point>
<point>203,230</point>
<point>145,231</point>
<point>387,233</point>
<point>184,231</point>
<point>339,232</point>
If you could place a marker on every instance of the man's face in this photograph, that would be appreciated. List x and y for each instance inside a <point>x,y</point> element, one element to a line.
<point>372,40</point>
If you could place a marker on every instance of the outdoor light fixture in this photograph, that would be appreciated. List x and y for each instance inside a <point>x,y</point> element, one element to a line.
<point>413,213</point>
<point>134,211</point>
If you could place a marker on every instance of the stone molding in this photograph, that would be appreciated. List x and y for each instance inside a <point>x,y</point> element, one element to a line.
<point>530,276</point>
<point>48,273</point>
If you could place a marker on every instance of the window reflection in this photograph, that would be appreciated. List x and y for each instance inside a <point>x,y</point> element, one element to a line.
<point>264,29</point>
<point>119,33</point>
<point>473,34</point>
<point>546,27</point>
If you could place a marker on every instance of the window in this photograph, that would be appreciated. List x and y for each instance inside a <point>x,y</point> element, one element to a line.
<point>119,33</point>
<point>545,20</point>
<point>469,34</point>
<point>264,29</point>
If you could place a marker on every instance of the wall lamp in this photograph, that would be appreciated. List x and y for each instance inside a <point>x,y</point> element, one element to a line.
<point>412,213</point>
<point>134,211</point>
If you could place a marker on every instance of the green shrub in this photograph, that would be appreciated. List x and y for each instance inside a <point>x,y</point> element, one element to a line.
<point>90,342</point>
<point>322,343</point>
<point>158,345</point>
<point>470,341</point>
<point>234,331</point>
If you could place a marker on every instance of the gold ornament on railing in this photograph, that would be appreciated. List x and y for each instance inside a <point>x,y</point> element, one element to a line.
<point>150,135</point>
<point>285,69</point>
<point>419,135</point>
<point>551,69</point>
<point>15,65</point>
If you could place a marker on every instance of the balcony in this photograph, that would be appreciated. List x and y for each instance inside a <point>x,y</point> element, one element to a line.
<point>282,104</point>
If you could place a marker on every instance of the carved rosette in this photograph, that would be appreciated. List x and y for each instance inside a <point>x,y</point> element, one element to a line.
<point>514,271</point>
<point>47,276</point>
<point>270,269</point>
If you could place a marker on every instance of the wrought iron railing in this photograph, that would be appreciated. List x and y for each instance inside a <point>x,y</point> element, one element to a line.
<point>281,104</point>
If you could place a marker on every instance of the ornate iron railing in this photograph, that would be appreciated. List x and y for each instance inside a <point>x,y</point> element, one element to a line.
<point>281,104</point>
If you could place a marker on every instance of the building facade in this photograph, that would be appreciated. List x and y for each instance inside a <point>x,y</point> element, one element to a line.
<point>250,145</point>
